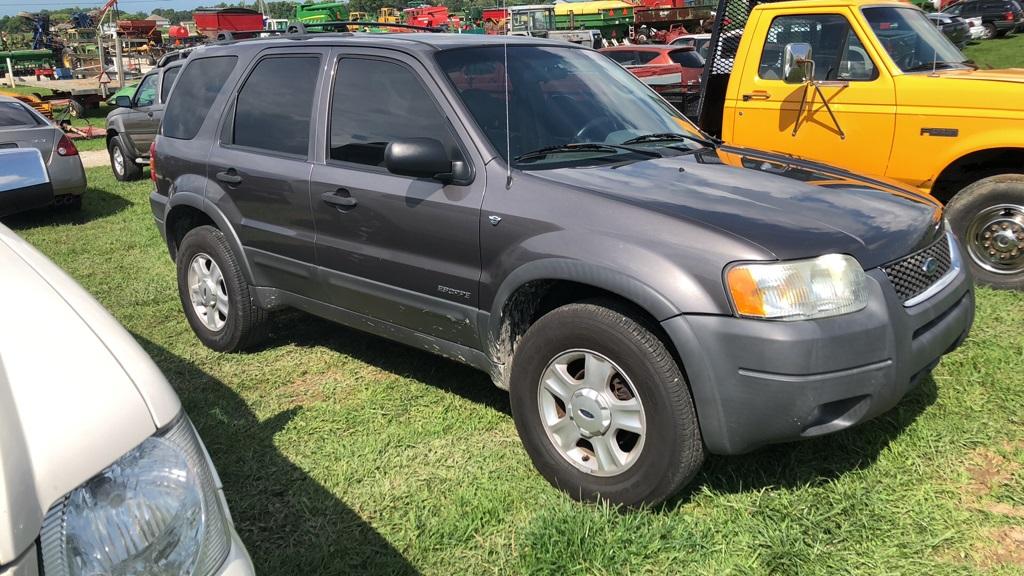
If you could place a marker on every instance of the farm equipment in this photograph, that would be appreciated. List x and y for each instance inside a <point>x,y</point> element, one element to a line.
<point>242,22</point>
<point>611,18</point>
<point>661,21</point>
<point>430,16</point>
<point>537,20</point>
<point>322,12</point>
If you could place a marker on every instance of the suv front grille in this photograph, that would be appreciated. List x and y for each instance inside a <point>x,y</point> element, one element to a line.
<point>909,276</point>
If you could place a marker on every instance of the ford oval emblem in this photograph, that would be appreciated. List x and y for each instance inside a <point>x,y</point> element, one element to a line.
<point>586,414</point>
<point>930,266</point>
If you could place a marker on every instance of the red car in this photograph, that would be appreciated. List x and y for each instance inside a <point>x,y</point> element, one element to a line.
<point>673,71</point>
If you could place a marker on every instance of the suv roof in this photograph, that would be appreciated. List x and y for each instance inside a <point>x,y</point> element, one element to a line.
<point>413,41</point>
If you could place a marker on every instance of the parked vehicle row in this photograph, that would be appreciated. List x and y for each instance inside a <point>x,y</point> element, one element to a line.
<point>998,17</point>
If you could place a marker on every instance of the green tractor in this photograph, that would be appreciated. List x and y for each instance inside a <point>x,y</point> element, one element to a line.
<point>315,12</point>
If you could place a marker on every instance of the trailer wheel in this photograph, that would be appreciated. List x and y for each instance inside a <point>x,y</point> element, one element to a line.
<point>76,109</point>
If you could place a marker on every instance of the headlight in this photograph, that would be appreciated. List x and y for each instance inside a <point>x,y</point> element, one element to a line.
<point>828,285</point>
<point>154,511</point>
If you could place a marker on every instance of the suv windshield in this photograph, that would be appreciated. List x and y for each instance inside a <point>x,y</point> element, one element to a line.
<point>560,96</point>
<point>912,41</point>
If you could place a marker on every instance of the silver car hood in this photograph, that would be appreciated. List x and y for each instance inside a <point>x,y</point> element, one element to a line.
<point>76,391</point>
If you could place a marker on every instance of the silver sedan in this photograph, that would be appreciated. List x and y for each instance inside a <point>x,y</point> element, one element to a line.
<point>23,127</point>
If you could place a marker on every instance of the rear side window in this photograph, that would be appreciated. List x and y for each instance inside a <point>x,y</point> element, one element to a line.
<point>16,114</point>
<point>646,56</point>
<point>145,94</point>
<point>194,95</point>
<point>687,58</point>
<point>624,57</point>
<point>275,104</point>
<point>376,102</point>
<point>165,88</point>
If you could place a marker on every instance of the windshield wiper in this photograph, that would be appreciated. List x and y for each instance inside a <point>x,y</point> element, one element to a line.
<point>933,66</point>
<point>581,147</point>
<point>668,137</point>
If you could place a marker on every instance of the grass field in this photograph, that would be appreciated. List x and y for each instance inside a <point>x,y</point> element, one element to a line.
<point>345,454</point>
<point>1006,52</point>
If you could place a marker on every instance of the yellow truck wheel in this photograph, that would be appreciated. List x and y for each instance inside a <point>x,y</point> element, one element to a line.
<point>988,218</point>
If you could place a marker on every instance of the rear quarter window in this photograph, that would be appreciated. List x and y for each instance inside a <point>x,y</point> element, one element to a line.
<point>687,58</point>
<point>168,83</point>
<point>13,114</point>
<point>194,93</point>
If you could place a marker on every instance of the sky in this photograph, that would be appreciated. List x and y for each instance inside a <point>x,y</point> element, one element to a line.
<point>11,7</point>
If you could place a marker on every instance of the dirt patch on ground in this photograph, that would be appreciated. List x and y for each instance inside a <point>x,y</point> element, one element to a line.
<point>308,389</point>
<point>989,471</point>
<point>1005,547</point>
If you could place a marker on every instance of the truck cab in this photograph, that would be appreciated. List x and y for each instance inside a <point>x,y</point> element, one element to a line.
<point>872,87</point>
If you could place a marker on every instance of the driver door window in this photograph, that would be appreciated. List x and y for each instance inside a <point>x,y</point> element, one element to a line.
<point>838,52</point>
<point>145,95</point>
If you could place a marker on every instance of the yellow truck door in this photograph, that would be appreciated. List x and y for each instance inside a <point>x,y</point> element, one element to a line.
<point>763,110</point>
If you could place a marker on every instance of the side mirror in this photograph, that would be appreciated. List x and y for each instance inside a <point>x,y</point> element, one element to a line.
<point>423,158</point>
<point>797,63</point>
<point>123,102</point>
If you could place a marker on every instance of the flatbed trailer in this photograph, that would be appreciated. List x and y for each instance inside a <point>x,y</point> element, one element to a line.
<point>81,94</point>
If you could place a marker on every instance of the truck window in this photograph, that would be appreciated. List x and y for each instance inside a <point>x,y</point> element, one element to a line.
<point>145,95</point>
<point>165,88</point>
<point>837,51</point>
<point>275,104</point>
<point>913,43</point>
<point>376,102</point>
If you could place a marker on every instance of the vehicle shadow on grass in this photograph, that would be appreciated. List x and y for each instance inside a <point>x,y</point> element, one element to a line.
<point>815,460</point>
<point>289,522</point>
<point>96,205</point>
<point>300,329</point>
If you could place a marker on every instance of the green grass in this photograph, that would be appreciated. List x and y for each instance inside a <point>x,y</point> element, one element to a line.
<point>343,453</point>
<point>1006,52</point>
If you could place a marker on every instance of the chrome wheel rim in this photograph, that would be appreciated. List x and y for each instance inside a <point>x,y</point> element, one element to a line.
<point>995,239</point>
<point>591,413</point>
<point>118,160</point>
<point>208,292</point>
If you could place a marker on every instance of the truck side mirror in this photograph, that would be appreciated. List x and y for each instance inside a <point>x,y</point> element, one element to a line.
<point>423,158</point>
<point>123,102</point>
<point>797,63</point>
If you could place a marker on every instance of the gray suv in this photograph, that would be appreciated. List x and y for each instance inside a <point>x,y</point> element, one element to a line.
<point>132,126</point>
<point>645,294</point>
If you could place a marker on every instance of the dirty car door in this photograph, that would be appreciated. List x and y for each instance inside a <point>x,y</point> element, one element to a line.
<point>142,124</point>
<point>395,248</point>
<point>258,170</point>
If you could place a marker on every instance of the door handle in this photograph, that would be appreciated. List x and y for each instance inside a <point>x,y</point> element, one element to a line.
<point>229,176</point>
<point>150,114</point>
<point>759,95</point>
<point>340,199</point>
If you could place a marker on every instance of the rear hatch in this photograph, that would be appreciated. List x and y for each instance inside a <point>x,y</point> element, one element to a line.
<point>23,128</point>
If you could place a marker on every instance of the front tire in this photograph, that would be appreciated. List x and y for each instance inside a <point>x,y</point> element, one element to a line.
<point>121,163</point>
<point>988,218</point>
<point>214,293</point>
<point>602,408</point>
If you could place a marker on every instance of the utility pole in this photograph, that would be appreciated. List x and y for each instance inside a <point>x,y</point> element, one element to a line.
<point>10,72</point>
<point>117,58</point>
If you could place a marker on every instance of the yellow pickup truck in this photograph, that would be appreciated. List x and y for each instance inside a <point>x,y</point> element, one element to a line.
<point>873,87</point>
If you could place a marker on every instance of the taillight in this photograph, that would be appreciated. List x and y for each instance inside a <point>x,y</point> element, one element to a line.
<point>152,161</point>
<point>1009,16</point>
<point>65,147</point>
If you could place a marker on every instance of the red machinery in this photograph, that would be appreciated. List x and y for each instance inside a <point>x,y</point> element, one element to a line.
<point>210,21</point>
<point>430,16</point>
<point>662,21</point>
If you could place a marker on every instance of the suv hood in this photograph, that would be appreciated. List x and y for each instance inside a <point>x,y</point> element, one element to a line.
<point>76,391</point>
<point>791,208</point>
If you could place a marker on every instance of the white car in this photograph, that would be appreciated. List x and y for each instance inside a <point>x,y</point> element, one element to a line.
<point>102,471</point>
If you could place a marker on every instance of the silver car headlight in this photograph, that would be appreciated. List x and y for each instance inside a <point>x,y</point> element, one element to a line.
<point>828,285</point>
<point>154,511</point>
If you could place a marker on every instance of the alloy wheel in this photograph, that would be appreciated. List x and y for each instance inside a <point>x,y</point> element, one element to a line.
<point>591,412</point>
<point>208,292</point>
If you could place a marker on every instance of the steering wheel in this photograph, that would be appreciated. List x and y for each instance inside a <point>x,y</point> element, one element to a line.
<point>593,124</point>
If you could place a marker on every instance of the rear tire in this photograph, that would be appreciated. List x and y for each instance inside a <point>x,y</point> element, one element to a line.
<point>992,206</point>
<point>209,276</point>
<point>121,163</point>
<point>76,109</point>
<point>629,365</point>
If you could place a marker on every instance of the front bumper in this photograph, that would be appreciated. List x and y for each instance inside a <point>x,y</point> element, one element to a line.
<point>758,382</point>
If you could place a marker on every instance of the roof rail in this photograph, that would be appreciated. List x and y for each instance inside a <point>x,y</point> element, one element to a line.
<point>174,56</point>
<point>231,35</point>
<point>304,27</point>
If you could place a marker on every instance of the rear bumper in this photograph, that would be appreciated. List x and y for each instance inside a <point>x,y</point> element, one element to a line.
<point>67,175</point>
<point>1005,25</point>
<point>757,382</point>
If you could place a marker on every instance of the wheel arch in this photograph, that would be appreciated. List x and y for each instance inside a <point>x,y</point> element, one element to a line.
<point>975,165</point>
<point>541,286</point>
<point>188,210</point>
